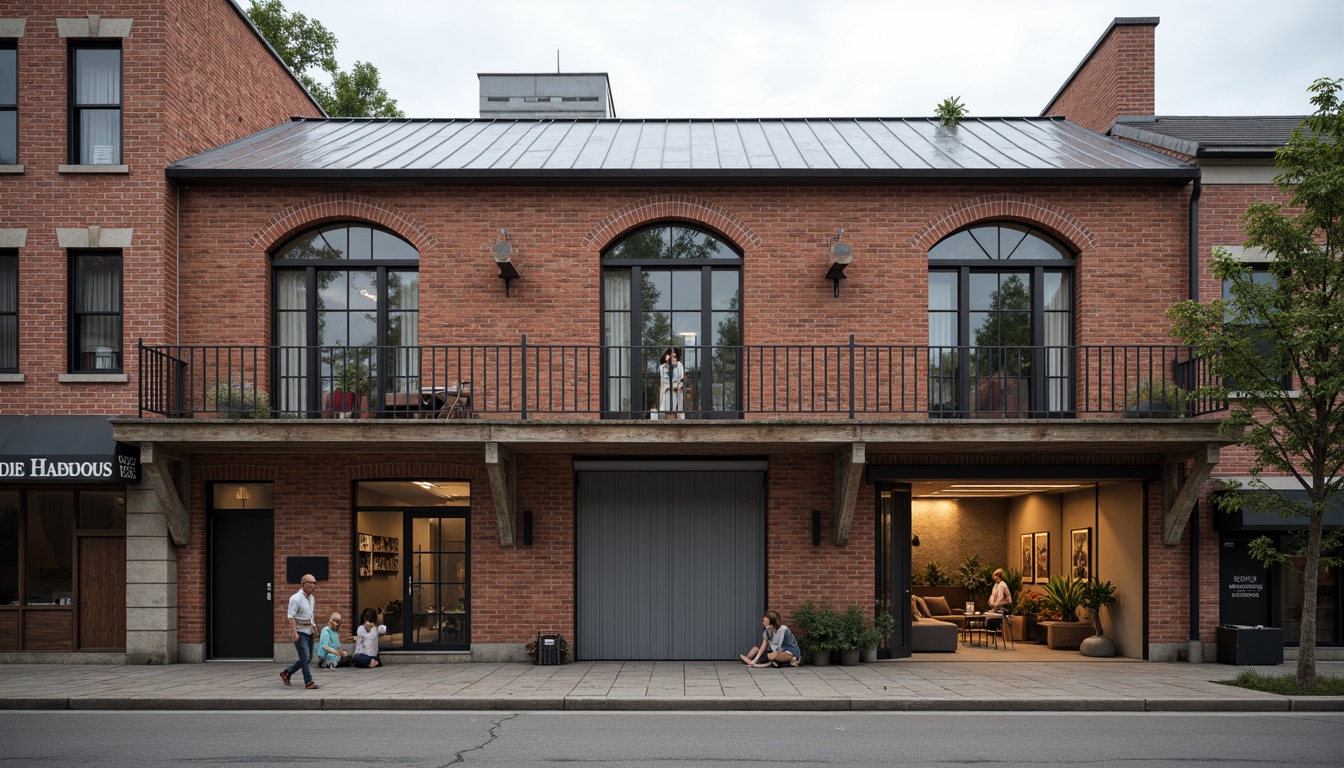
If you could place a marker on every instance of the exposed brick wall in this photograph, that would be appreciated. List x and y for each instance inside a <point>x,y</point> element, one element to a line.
<point>194,77</point>
<point>1117,79</point>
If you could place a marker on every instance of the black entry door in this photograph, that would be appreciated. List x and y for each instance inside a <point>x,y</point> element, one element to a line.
<point>241,577</point>
<point>893,563</point>
<point>437,589</point>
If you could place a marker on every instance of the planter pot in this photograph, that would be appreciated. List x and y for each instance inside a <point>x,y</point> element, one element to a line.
<point>821,658</point>
<point>1154,409</point>
<point>868,655</point>
<point>1098,646</point>
<point>849,657</point>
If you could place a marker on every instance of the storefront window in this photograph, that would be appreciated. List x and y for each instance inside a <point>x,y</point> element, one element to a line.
<point>1327,604</point>
<point>9,548</point>
<point>102,510</point>
<point>49,548</point>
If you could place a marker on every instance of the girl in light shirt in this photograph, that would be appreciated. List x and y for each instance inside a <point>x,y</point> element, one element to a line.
<point>366,638</point>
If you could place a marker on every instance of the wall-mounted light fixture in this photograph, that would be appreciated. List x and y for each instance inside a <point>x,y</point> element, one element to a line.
<point>914,540</point>
<point>816,527</point>
<point>841,255</point>
<point>503,253</point>
<point>527,528</point>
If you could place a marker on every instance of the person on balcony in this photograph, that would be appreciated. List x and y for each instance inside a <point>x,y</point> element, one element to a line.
<point>671,381</point>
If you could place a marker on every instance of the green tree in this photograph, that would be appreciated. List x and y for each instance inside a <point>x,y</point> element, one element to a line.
<point>1298,318</point>
<point>307,47</point>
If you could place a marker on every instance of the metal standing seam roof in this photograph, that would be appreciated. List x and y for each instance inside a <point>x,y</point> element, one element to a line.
<point>1210,136</point>
<point>762,149</point>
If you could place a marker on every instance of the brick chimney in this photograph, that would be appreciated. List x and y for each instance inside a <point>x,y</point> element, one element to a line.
<point>1115,78</point>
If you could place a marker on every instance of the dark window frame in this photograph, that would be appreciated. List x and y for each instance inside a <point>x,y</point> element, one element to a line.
<point>76,352</point>
<point>76,109</point>
<point>8,255</point>
<point>12,45</point>
<point>1266,346</point>
<point>706,266</point>
<point>1035,270</point>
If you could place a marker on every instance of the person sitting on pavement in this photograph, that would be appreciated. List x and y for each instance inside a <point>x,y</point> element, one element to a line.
<point>778,645</point>
<point>366,639</point>
<point>330,654</point>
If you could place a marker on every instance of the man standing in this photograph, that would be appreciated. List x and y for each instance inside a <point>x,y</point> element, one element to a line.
<point>301,607</point>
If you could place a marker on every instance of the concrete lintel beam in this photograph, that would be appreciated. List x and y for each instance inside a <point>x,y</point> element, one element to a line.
<point>849,463</point>
<point>501,467</point>
<point>1178,513</point>
<point>153,464</point>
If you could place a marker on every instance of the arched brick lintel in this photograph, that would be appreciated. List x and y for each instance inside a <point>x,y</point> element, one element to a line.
<point>237,473</point>
<point>415,469</point>
<point>340,207</point>
<point>1024,208</point>
<point>673,206</point>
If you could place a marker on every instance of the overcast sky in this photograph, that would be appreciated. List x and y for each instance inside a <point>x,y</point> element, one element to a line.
<point>835,58</point>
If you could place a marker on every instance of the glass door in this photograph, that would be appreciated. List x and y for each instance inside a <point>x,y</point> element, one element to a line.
<point>893,564</point>
<point>437,572</point>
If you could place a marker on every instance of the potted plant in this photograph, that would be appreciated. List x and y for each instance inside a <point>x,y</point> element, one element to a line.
<point>1097,595</point>
<point>1064,596</point>
<point>933,576</point>
<point>850,635</point>
<point>975,579</point>
<point>820,627</point>
<point>885,625</point>
<point>1029,605</point>
<point>1156,399</point>
<point>235,400</point>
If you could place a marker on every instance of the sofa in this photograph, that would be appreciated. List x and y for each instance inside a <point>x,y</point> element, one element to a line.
<point>936,608</point>
<point>932,635</point>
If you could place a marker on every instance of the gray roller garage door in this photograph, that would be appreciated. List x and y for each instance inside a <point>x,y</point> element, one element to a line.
<point>671,564</point>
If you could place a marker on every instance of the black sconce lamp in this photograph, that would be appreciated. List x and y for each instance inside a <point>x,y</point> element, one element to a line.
<point>527,528</point>
<point>503,253</point>
<point>914,540</point>
<point>816,527</point>
<point>841,255</point>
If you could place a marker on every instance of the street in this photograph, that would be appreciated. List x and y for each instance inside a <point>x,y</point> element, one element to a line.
<point>278,738</point>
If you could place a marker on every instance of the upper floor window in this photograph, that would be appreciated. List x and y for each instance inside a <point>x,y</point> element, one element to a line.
<point>95,312</point>
<point>347,317</point>
<point>95,103</point>
<point>678,288</point>
<point>9,311</point>
<point>9,103</point>
<point>1000,321</point>
<point>1265,345</point>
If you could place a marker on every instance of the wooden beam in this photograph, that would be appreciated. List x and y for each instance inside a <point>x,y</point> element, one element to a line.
<point>499,464</point>
<point>154,464</point>
<point>1179,511</point>
<point>849,464</point>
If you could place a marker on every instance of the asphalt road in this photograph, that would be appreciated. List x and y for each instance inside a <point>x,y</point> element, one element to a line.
<point>425,739</point>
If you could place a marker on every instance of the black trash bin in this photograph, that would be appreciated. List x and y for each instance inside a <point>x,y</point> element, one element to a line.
<point>548,649</point>
<point>1244,645</point>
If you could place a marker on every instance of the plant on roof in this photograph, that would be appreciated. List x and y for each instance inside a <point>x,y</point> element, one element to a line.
<point>950,112</point>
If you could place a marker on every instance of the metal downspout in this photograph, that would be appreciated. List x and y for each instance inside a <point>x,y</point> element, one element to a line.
<point>1195,648</point>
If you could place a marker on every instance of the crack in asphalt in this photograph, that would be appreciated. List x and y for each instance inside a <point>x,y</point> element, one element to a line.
<point>461,756</point>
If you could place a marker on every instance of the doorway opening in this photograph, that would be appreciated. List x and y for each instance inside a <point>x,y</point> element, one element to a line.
<point>413,561</point>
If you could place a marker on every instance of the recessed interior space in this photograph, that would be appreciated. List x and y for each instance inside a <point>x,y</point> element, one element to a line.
<point>961,530</point>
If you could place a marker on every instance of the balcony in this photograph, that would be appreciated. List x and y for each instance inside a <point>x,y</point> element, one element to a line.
<point>526,381</point>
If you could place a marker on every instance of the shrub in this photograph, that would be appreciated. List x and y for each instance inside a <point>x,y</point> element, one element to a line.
<point>1064,596</point>
<point>237,401</point>
<point>1156,399</point>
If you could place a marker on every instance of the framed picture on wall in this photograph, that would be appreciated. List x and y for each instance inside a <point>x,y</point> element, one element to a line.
<point>1027,559</point>
<point>1041,565</point>
<point>1080,553</point>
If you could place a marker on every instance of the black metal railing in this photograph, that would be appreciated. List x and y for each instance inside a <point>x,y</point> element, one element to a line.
<point>526,380</point>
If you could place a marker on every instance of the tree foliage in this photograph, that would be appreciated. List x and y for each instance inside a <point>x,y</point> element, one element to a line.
<point>1292,326</point>
<point>309,49</point>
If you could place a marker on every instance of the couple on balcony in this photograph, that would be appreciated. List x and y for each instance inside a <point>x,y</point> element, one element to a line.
<point>671,386</point>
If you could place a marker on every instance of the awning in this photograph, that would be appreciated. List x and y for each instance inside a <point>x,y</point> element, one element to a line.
<point>1252,517</point>
<point>64,449</point>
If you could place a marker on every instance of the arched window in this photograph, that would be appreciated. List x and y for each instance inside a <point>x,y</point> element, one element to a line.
<point>347,301</point>
<point>1000,322</point>
<point>671,285</point>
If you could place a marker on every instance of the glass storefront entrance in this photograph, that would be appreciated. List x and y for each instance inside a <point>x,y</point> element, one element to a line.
<point>413,562</point>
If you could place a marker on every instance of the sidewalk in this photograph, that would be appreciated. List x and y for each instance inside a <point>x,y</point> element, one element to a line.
<point>907,684</point>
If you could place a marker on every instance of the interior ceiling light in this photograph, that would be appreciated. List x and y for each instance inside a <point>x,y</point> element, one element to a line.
<point>427,486</point>
<point>1018,486</point>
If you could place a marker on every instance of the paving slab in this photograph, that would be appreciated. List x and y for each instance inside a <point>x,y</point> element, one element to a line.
<point>1119,685</point>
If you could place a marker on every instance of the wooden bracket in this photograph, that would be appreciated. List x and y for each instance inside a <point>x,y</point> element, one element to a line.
<point>1179,507</point>
<point>500,465</point>
<point>153,463</point>
<point>849,463</point>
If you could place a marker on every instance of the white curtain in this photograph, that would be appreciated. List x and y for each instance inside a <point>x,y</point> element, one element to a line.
<point>404,309</point>
<point>1058,330</point>
<point>616,286</point>
<point>291,303</point>
<point>98,84</point>
<point>98,290</point>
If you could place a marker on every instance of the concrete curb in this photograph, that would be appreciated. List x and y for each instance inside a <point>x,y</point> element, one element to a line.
<point>1270,703</point>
